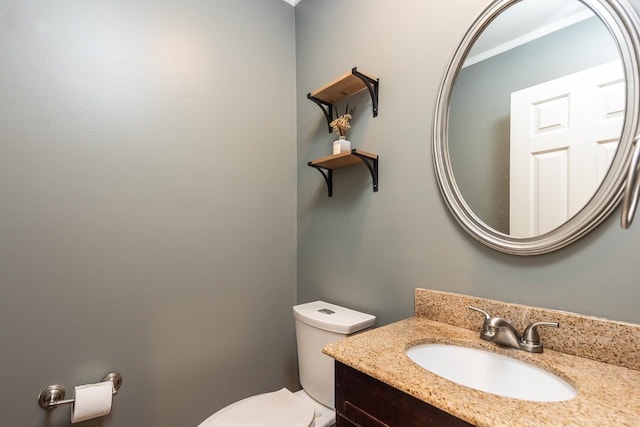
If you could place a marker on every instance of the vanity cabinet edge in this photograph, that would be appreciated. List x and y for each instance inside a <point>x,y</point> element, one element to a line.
<point>361,400</point>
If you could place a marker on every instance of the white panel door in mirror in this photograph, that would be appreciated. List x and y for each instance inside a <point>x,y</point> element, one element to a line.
<point>564,134</point>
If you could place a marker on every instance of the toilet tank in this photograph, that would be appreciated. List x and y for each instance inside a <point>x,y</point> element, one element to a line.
<point>317,324</point>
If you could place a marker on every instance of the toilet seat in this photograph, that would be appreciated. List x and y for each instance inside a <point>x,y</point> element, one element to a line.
<point>276,409</point>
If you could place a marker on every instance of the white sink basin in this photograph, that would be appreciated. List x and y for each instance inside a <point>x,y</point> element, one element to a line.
<point>491,373</point>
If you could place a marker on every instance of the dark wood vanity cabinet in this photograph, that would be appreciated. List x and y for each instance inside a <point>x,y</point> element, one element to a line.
<point>364,401</point>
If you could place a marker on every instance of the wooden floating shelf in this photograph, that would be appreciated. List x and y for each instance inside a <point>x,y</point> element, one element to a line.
<point>341,160</point>
<point>344,86</point>
<point>326,165</point>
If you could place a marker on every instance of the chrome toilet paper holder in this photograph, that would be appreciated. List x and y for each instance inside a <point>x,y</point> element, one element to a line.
<point>53,395</point>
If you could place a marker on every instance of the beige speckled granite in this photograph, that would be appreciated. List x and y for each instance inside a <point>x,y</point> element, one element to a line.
<point>607,394</point>
<point>599,339</point>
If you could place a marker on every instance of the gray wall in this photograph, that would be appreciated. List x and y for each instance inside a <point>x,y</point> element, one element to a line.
<point>370,250</point>
<point>481,105</point>
<point>144,227</point>
<point>147,214</point>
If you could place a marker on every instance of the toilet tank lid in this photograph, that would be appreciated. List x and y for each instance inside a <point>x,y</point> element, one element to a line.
<point>332,318</point>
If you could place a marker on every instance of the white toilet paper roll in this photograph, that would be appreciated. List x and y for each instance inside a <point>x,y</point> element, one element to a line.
<point>92,401</point>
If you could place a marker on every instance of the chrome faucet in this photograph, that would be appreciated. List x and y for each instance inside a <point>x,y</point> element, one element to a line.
<point>502,332</point>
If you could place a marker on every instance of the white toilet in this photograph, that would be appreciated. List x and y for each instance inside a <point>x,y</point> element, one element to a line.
<point>317,324</point>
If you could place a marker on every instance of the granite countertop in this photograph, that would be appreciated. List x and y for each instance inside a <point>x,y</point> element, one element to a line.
<point>607,394</point>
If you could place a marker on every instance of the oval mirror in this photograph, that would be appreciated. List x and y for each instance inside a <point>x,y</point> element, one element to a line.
<point>535,119</point>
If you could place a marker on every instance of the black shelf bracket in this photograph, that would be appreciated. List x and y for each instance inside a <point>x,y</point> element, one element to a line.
<point>372,85</point>
<point>327,174</point>
<point>372,165</point>
<point>370,162</point>
<point>326,107</point>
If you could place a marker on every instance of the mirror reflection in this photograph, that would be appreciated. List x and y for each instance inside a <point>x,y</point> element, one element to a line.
<point>535,116</point>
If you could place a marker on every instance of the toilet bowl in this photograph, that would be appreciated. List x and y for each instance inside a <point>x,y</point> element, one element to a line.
<point>317,324</point>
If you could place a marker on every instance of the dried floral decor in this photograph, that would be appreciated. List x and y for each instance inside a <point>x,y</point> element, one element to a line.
<point>342,123</point>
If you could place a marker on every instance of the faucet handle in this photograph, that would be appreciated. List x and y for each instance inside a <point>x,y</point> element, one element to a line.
<point>487,316</point>
<point>530,334</point>
<point>488,332</point>
<point>531,338</point>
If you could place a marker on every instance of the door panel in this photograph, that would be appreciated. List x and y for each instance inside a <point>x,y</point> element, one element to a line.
<point>564,134</point>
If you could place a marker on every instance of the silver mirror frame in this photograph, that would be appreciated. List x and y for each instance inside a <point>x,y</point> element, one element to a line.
<point>624,26</point>
<point>632,190</point>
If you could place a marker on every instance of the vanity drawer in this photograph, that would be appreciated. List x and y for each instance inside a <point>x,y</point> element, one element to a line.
<point>365,401</point>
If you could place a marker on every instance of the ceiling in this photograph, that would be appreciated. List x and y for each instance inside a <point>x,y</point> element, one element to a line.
<point>521,24</point>
<point>525,22</point>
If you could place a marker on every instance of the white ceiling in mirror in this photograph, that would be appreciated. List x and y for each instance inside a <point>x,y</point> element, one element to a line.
<point>527,22</point>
